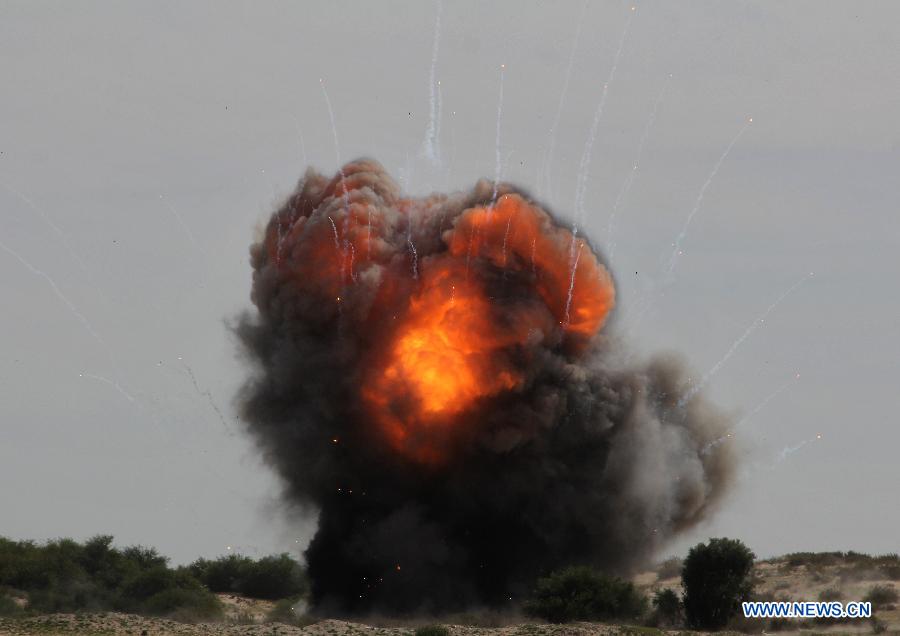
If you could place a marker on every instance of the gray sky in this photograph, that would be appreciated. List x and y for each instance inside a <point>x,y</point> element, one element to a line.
<point>142,143</point>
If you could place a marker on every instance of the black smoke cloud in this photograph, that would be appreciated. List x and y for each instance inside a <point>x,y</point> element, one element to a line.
<point>591,460</point>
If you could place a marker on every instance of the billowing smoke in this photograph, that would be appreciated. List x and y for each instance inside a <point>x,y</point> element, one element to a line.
<point>433,378</point>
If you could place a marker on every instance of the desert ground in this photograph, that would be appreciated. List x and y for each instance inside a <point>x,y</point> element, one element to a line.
<point>796,577</point>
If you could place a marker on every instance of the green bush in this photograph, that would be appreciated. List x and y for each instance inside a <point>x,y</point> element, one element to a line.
<point>224,574</point>
<point>271,577</point>
<point>287,611</point>
<point>831,594</point>
<point>881,596</point>
<point>667,608</point>
<point>432,630</point>
<point>716,579</point>
<point>669,568</point>
<point>8,607</point>
<point>856,560</point>
<point>581,593</point>
<point>67,576</point>
<point>187,605</point>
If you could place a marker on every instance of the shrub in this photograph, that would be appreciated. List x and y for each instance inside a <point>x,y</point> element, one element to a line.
<point>667,608</point>
<point>271,577</point>
<point>275,577</point>
<point>881,596</point>
<point>716,579</point>
<point>224,574</point>
<point>67,576</point>
<point>581,593</point>
<point>291,612</point>
<point>432,630</point>
<point>8,607</point>
<point>187,605</point>
<point>831,594</point>
<point>669,568</point>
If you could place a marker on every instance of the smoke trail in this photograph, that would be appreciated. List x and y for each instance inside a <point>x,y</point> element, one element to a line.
<point>759,407</point>
<point>584,167</point>
<point>572,286</point>
<point>205,393</point>
<point>112,383</point>
<point>49,222</point>
<point>180,219</point>
<point>498,162</point>
<point>62,237</point>
<point>737,343</point>
<point>440,119</point>
<point>546,176</point>
<point>632,174</point>
<point>676,246</point>
<point>464,431</point>
<point>334,133</point>
<point>302,143</point>
<point>431,134</point>
<point>787,451</point>
<point>415,259</point>
<point>59,294</point>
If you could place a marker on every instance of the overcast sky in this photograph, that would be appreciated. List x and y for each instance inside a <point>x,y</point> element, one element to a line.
<point>142,143</point>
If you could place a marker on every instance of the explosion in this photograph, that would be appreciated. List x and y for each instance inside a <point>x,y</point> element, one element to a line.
<point>435,381</point>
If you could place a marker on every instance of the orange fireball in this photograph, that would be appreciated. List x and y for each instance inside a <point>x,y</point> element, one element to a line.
<point>455,344</point>
<point>447,325</point>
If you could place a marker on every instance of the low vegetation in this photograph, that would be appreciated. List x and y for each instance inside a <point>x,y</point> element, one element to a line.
<point>432,630</point>
<point>271,578</point>
<point>65,576</point>
<point>667,609</point>
<point>64,580</point>
<point>580,593</point>
<point>882,597</point>
<point>716,578</point>
<point>853,566</point>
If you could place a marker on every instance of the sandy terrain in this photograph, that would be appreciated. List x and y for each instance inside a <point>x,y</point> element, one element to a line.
<point>777,579</point>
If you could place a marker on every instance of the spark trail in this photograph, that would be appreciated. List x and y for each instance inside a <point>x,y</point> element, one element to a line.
<point>302,143</point>
<point>787,451</point>
<point>676,245</point>
<point>584,167</point>
<point>737,343</point>
<point>432,151</point>
<point>440,119</point>
<point>546,174</point>
<point>49,222</point>
<point>115,385</point>
<point>205,393</point>
<point>415,259</point>
<point>571,287</point>
<point>180,219</point>
<point>499,163</point>
<point>62,237</point>
<point>759,407</point>
<point>632,174</point>
<point>73,309</point>
<point>337,153</point>
<point>337,146</point>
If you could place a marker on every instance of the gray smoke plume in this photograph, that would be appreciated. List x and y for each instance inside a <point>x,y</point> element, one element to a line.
<point>429,501</point>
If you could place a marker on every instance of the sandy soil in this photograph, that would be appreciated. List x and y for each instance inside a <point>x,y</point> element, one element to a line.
<point>776,579</point>
<point>122,624</point>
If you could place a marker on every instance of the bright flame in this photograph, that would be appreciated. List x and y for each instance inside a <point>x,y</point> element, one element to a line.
<point>502,281</point>
<point>454,346</point>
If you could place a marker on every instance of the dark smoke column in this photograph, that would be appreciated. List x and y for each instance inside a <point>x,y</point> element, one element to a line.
<point>432,377</point>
